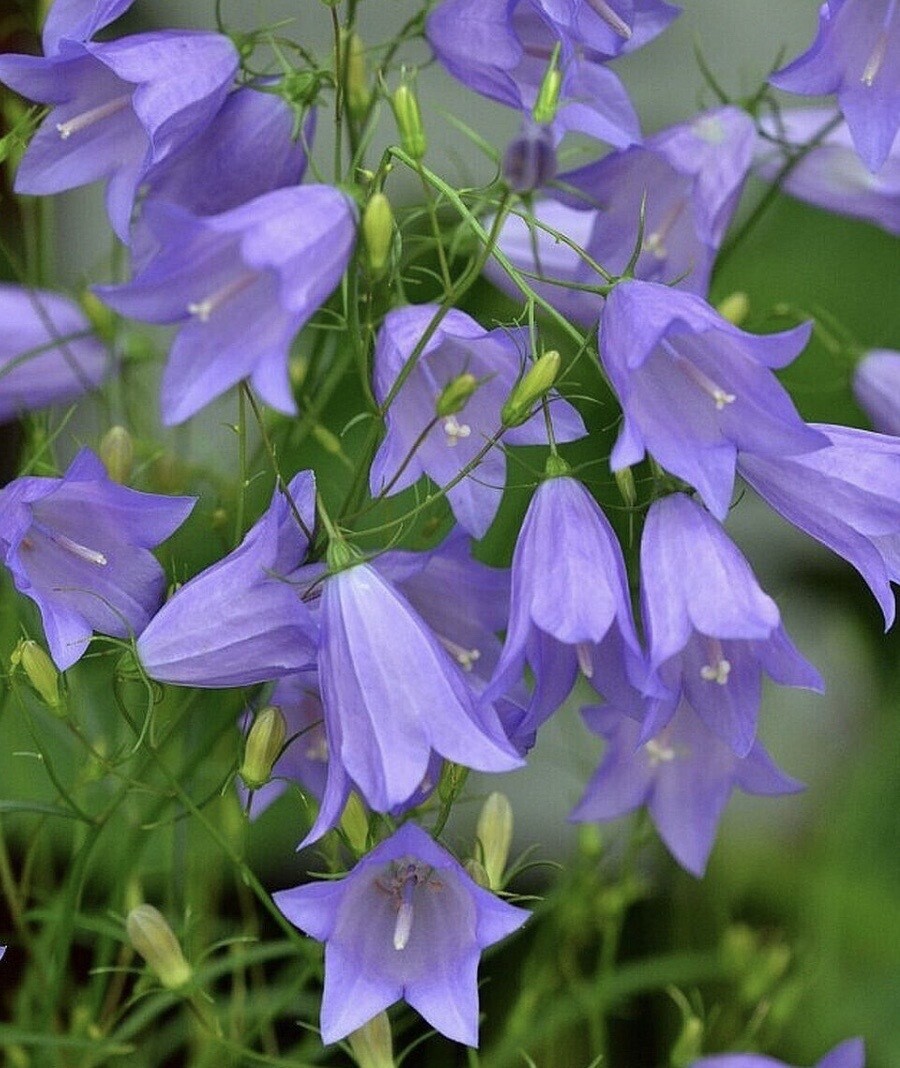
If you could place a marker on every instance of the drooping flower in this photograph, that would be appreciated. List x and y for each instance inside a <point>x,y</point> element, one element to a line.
<point>48,352</point>
<point>876,386</point>
<point>712,631</point>
<point>418,442</point>
<point>570,607</point>
<point>849,1054</point>
<point>502,48</point>
<point>856,54</point>
<point>242,284</point>
<point>831,175</point>
<point>242,620</point>
<point>78,546</point>
<point>695,389</point>
<point>407,922</point>
<point>118,108</point>
<point>684,775</point>
<point>79,20</point>
<point>846,496</point>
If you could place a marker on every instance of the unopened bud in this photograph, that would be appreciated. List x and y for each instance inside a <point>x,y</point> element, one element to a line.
<point>39,670</point>
<point>494,832</point>
<point>735,307</point>
<point>556,466</point>
<point>358,94</point>
<point>627,489</point>
<point>264,744</point>
<point>530,159</point>
<point>530,388</point>
<point>768,967</point>
<point>371,1044</point>
<point>378,232</point>
<point>477,873</point>
<point>355,824</point>
<point>544,111</point>
<point>117,453</point>
<point>409,122</point>
<point>689,1044</point>
<point>154,939</point>
<point>455,395</point>
<point>101,318</point>
<point>329,441</point>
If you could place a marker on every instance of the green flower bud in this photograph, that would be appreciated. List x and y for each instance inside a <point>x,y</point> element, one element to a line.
<point>477,873</point>
<point>40,671</point>
<point>689,1044</point>
<point>264,744</point>
<point>625,482</point>
<point>409,122</point>
<point>378,232</point>
<point>530,388</point>
<point>117,453</point>
<point>154,939</point>
<point>494,832</point>
<point>355,824</point>
<point>356,80</point>
<point>555,466</point>
<point>371,1044</point>
<point>735,307</point>
<point>455,395</point>
<point>544,111</point>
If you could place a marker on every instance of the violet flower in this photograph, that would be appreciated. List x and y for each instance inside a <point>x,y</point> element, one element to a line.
<point>856,54</point>
<point>48,351</point>
<point>695,389</point>
<point>407,922</point>
<point>846,496</point>
<point>242,620</point>
<point>78,546</point>
<point>876,386</point>
<point>712,631</point>
<point>684,775</point>
<point>831,175</point>
<point>242,284</point>
<point>849,1054</point>
<point>410,449</point>
<point>118,108</point>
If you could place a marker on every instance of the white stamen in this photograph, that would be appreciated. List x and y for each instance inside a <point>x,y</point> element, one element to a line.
<point>719,395</point>
<point>876,59</point>
<point>76,548</point>
<point>466,658</point>
<point>454,430</point>
<point>719,668</point>
<point>203,309</point>
<point>88,118</point>
<point>655,242</point>
<point>403,926</point>
<point>611,19</point>
<point>583,652</point>
<point>659,753</point>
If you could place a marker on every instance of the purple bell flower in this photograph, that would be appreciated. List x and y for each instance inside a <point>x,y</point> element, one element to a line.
<point>458,346</point>
<point>849,1054</point>
<point>48,351</point>
<point>78,546</point>
<point>856,54</point>
<point>241,284</point>
<point>407,922</point>
<point>876,386</point>
<point>695,389</point>
<point>243,620</point>
<point>684,775</point>
<point>846,496</point>
<point>831,175</point>
<point>118,109</point>
<point>712,631</point>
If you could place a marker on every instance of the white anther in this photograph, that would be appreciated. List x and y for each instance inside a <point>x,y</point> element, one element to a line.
<point>659,753</point>
<point>403,926</point>
<point>717,672</point>
<point>455,430</point>
<point>203,309</point>
<point>583,652</point>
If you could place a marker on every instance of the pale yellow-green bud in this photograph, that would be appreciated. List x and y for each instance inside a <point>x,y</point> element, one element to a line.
<point>735,307</point>
<point>739,946</point>
<point>494,832</point>
<point>768,967</point>
<point>477,873</point>
<point>409,122</point>
<point>544,111</point>
<point>40,671</point>
<point>154,939</point>
<point>329,441</point>
<point>356,79</point>
<point>117,453</point>
<point>264,744</point>
<point>371,1044</point>
<point>689,1044</point>
<point>101,318</point>
<point>531,387</point>
<point>355,824</point>
<point>627,489</point>
<point>378,232</point>
<point>556,466</point>
<point>455,395</point>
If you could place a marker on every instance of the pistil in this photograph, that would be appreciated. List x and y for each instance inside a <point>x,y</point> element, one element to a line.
<point>614,21</point>
<point>93,115</point>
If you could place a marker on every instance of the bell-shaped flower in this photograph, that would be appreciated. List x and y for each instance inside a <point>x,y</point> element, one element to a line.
<point>849,1054</point>
<point>391,694</point>
<point>117,109</point>
<point>830,175</point>
<point>79,20</point>
<point>78,546</point>
<point>241,284</point>
<point>876,386</point>
<point>711,629</point>
<point>407,922</point>
<point>695,389</point>
<point>421,442</point>
<point>684,775</point>
<point>242,620</point>
<point>846,496</point>
<point>48,351</point>
<point>570,608</point>
<point>856,54</point>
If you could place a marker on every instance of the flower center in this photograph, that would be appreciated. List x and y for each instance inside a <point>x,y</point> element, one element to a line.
<point>454,431</point>
<point>400,884</point>
<point>76,548</point>
<point>655,242</point>
<point>583,652</point>
<point>466,658</point>
<point>88,118</point>
<point>659,752</point>
<point>719,395</point>
<point>718,669</point>
<point>203,309</point>
<point>615,23</point>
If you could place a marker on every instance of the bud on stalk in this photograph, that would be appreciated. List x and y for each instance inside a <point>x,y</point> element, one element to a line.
<point>264,745</point>
<point>154,939</point>
<point>409,122</point>
<point>531,387</point>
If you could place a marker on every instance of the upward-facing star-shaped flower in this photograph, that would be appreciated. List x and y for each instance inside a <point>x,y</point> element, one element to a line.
<point>409,923</point>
